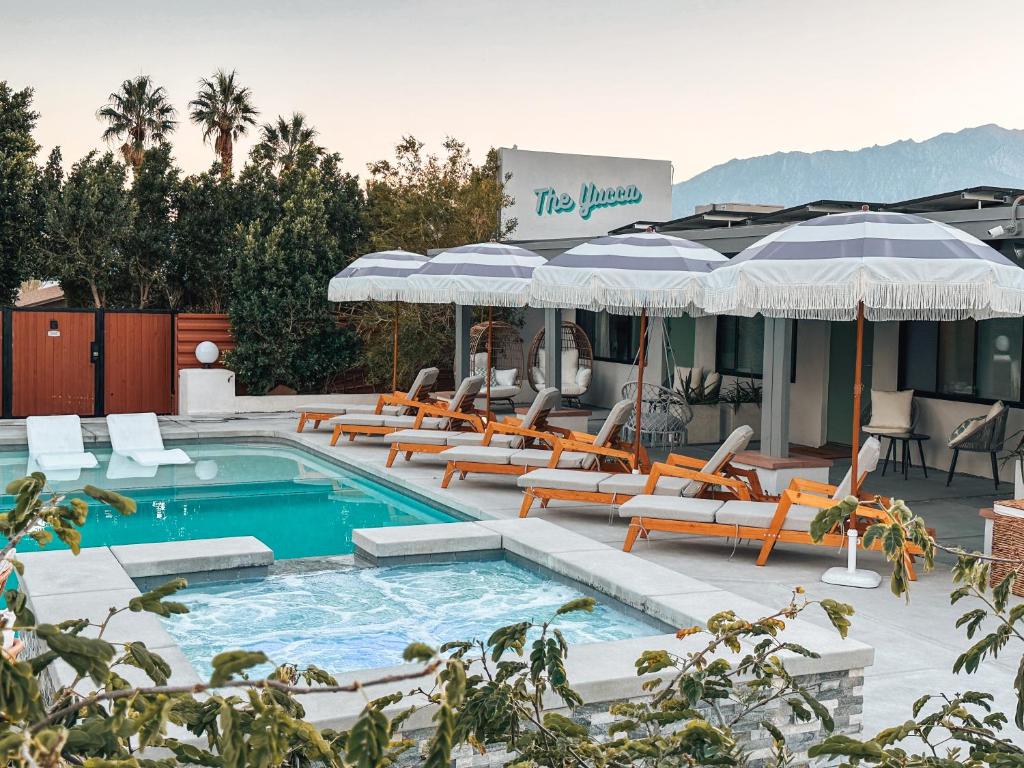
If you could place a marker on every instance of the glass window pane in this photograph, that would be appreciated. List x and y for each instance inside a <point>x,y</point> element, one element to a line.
<point>956,358</point>
<point>740,345</point>
<point>999,358</point>
<point>919,355</point>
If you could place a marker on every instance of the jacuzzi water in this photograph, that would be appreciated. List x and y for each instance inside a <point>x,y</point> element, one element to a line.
<point>296,504</point>
<point>359,618</point>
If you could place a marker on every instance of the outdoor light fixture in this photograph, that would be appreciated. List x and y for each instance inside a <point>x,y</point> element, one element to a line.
<point>1012,227</point>
<point>207,353</point>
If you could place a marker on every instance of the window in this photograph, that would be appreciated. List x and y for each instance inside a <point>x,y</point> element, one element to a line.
<point>615,338</point>
<point>964,359</point>
<point>739,350</point>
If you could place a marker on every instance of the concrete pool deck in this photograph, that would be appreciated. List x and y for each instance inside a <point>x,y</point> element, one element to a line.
<point>916,643</point>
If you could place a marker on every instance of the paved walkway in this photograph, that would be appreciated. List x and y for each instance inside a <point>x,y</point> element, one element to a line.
<point>916,642</point>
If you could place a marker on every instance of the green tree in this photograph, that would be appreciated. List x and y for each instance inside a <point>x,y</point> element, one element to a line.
<point>285,331</point>
<point>420,201</point>
<point>20,222</point>
<point>205,240</point>
<point>87,228</point>
<point>149,244</point>
<point>139,115</point>
<point>225,111</point>
<point>287,142</point>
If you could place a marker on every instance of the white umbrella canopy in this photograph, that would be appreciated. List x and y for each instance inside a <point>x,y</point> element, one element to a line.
<point>898,266</point>
<point>379,276</point>
<point>627,275</point>
<point>634,274</point>
<point>867,264</point>
<point>482,274</point>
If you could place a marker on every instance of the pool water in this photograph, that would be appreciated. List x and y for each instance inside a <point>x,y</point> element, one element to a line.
<point>359,618</point>
<point>295,503</point>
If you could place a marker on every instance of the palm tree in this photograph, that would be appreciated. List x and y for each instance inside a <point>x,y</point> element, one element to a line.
<point>140,115</point>
<point>224,109</point>
<point>286,141</point>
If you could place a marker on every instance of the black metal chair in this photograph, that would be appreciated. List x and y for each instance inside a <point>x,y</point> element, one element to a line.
<point>988,439</point>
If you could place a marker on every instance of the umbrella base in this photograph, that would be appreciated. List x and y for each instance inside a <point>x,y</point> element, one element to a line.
<point>844,577</point>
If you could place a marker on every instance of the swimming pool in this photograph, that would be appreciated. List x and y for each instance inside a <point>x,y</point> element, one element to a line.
<point>292,501</point>
<point>360,618</point>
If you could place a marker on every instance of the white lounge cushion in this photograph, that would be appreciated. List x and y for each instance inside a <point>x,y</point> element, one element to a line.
<point>361,420</point>
<point>56,461</point>
<point>397,422</point>
<point>572,389</point>
<point>338,409</point>
<point>157,458</point>
<point>628,484</point>
<point>682,508</point>
<point>55,442</point>
<point>759,514</point>
<point>501,392</point>
<point>563,479</point>
<point>484,454</point>
<point>583,376</point>
<point>734,443</point>
<point>477,438</point>
<point>536,457</point>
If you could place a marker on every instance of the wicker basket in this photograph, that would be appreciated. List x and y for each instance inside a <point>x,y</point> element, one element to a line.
<point>1008,543</point>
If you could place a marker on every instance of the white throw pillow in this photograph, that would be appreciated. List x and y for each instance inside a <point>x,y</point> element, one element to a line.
<point>995,410</point>
<point>583,377</point>
<point>537,376</point>
<point>505,377</point>
<point>890,411</point>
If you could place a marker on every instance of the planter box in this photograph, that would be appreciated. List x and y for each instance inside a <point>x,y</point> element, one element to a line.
<point>712,423</point>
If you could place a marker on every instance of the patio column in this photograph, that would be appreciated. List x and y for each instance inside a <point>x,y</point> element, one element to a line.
<point>463,322</point>
<point>553,351</point>
<point>778,360</point>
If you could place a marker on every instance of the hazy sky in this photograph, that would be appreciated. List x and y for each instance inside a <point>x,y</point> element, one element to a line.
<point>694,82</point>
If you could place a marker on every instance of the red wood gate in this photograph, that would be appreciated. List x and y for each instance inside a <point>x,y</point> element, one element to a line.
<point>137,362</point>
<point>89,362</point>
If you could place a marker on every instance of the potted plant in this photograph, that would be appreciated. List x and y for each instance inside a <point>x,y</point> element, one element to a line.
<point>740,404</point>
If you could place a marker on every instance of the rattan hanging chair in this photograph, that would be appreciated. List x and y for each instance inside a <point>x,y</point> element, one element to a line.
<point>506,359</point>
<point>577,362</point>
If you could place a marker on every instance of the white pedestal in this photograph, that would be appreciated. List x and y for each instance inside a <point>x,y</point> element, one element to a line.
<point>206,391</point>
<point>775,481</point>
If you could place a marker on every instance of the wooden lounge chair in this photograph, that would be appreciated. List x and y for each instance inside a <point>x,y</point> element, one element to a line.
<point>788,519</point>
<point>694,478</point>
<point>420,391</point>
<point>577,451</point>
<point>460,410</point>
<point>410,441</point>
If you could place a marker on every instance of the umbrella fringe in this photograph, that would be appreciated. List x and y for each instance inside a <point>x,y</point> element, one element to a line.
<point>658,302</point>
<point>882,301</point>
<point>466,298</point>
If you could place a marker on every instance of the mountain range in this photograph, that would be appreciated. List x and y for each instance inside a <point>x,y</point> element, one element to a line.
<point>988,155</point>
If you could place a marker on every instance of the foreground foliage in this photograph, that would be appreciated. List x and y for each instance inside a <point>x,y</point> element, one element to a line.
<point>497,691</point>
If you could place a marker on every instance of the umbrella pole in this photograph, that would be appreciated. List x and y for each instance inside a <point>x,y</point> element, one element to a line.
<point>858,387</point>
<point>394,351</point>
<point>490,342</point>
<point>641,362</point>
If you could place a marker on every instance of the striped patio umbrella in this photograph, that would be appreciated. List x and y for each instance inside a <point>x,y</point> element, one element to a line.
<point>635,274</point>
<point>380,276</point>
<point>483,274</point>
<point>878,265</point>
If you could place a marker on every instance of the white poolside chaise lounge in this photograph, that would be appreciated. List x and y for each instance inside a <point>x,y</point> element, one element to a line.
<point>55,444</point>
<point>412,441</point>
<point>421,387</point>
<point>137,436</point>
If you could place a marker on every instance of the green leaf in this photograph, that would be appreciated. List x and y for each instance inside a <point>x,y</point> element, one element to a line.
<point>137,655</point>
<point>420,652</point>
<point>579,604</point>
<point>563,725</point>
<point>86,655</point>
<point>230,663</point>
<point>122,504</point>
<point>153,601</point>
